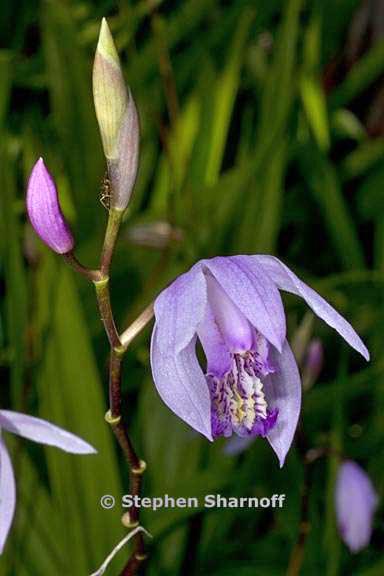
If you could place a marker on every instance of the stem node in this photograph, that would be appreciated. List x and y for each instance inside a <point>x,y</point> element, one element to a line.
<point>141,469</point>
<point>112,420</point>
<point>127,522</point>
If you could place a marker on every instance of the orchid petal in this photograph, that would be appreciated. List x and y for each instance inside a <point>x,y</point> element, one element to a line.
<point>355,503</point>
<point>283,391</point>
<point>7,494</point>
<point>179,309</point>
<point>182,385</point>
<point>286,280</point>
<point>43,432</point>
<point>217,354</point>
<point>236,330</point>
<point>254,294</point>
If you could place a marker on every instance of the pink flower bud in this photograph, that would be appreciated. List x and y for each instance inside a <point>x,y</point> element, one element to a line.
<point>44,210</point>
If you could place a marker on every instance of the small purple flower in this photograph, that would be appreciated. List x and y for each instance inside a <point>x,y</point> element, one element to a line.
<point>39,431</point>
<point>356,502</point>
<point>251,384</point>
<point>44,210</point>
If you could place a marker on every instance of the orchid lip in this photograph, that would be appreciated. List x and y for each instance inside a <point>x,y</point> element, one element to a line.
<point>238,402</point>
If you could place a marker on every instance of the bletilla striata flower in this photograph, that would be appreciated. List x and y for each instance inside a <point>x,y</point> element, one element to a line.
<point>251,385</point>
<point>355,502</point>
<point>39,431</point>
<point>44,210</point>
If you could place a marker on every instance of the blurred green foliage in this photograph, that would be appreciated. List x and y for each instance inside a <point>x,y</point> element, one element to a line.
<point>262,131</point>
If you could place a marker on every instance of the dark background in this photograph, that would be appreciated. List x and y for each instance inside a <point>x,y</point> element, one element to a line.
<point>262,132</point>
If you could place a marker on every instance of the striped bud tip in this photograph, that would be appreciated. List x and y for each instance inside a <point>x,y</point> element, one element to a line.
<point>117,118</point>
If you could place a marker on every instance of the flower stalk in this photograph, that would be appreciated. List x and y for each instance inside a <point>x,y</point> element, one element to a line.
<point>100,279</point>
<point>105,309</point>
<point>114,416</point>
<point>118,347</point>
<point>119,129</point>
<point>137,326</point>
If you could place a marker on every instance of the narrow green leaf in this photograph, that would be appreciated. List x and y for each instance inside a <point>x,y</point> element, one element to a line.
<point>225,93</point>
<point>324,183</point>
<point>363,158</point>
<point>316,110</point>
<point>16,290</point>
<point>362,75</point>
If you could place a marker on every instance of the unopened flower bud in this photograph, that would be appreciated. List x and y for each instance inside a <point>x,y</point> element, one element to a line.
<point>44,210</point>
<point>313,363</point>
<point>356,501</point>
<point>117,117</point>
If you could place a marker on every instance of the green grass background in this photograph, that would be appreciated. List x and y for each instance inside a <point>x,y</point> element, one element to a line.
<point>262,132</point>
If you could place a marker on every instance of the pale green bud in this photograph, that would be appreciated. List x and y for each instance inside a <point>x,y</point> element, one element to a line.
<point>117,117</point>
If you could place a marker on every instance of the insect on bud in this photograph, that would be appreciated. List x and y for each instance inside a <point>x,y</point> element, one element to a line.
<point>117,117</point>
<point>44,210</point>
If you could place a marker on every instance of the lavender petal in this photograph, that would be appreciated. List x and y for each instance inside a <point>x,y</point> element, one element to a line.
<point>179,309</point>
<point>283,392</point>
<point>286,280</point>
<point>217,354</point>
<point>7,494</point>
<point>236,330</point>
<point>253,292</point>
<point>43,432</point>
<point>181,384</point>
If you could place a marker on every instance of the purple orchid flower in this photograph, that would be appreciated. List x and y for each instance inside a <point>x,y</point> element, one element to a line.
<point>251,385</point>
<point>356,501</point>
<point>39,431</point>
<point>44,210</point>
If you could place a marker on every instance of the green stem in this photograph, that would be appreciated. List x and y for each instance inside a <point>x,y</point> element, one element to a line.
<point>105,308</point>
<point>93,275</point>
<point>136,466</point>
<point>113,227</point>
